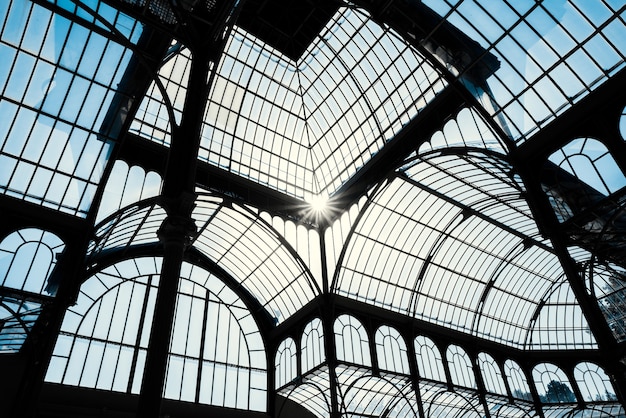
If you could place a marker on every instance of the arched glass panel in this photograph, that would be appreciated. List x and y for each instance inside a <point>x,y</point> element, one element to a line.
<point>373,396</point>
<point>313,352</point>
<point>233,235</point>
<point>125,186</point>
<point>312,395</point>
<point>512,411</point>
<point>552,384</point>
<point>104,338</point>
<point>429,361</point>
<point>391,350</point>
<point>517,381</point>
<point>467,129</point>
<point>593,383</point>
<point>491,374</point>
<point>460,365</point>
<point>286,362</point>
<point>450,404</point>
<point>590,162</point>
<point>27,259</point>
<point>235,377</point>
<point>352,341</point>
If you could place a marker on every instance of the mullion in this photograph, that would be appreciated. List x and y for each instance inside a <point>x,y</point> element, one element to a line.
<point>137,345</point>
<point>202,344</point>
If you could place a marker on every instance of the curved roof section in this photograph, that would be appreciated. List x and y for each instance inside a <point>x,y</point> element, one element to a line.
<point>236,239</point>
<point>302,127</point>
<point>450,240</point>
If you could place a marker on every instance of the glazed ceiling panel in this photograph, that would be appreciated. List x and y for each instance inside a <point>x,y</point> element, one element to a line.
<point>551,53</point>
<point>451,241</point>
<point>235,238</point>
<point>164,99</point>
<point>58,79</point>
<point>385,253</point>
<point>305,127</point>
<point>480,182</point>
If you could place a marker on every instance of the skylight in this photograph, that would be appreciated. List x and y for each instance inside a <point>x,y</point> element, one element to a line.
<point>302,127</point>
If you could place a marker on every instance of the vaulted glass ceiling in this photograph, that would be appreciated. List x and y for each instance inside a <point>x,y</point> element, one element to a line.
<point>448,234</point>
<point>303,127</point>
<point>469,259</point>
<point>307,126</point>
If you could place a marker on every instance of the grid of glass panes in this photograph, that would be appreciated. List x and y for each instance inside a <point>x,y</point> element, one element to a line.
<point>306,127</point>
<point>551,53</point>
<point>434,244</point>
<point>57,80</point>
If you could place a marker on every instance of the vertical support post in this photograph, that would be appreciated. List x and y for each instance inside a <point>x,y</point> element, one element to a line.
<point>331,355</point>
<point>371,333</point>
<point>607,343</point>
<point>527,369</point>
<point>480,383</point>
<point>446,367</point>
<point>328,314</point>
<point>176,232</point>
<point>413,369</point>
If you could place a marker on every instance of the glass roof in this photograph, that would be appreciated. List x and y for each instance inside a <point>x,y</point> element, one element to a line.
<point>551,53</point>
<point>303,127</point>
<point>58,81</point>
<point>420,119</point>
<point>307,126</point>
<point>451,241</point>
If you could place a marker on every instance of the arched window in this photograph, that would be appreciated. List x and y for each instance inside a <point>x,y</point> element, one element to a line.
<point>517,381</point>
<point>580,174</point>
<point>460,365</point>
<point>127,185</point>
<point>391,350</point>
<point>491,374</point>
<point>552,384</point>
<point>590,162</point>
<point>198,363</point>
<point>429,361</point>
<point>313,353</point>
<point>104,338</point>
<point>351,341</point>
<point>593,383</point>
<point>286,362</point>
<point>27,259</point>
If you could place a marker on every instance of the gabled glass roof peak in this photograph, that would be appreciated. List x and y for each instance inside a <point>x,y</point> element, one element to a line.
<point>305,127</point>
